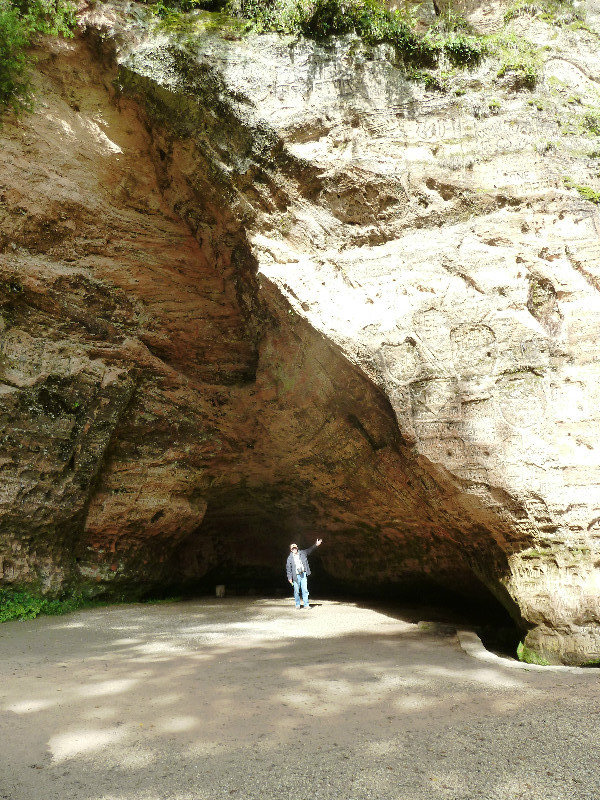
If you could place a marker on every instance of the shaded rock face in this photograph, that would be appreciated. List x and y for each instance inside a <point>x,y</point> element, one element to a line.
<point>266,289</point>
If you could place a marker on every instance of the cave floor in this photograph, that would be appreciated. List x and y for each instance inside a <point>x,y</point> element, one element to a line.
<point>252,699</point>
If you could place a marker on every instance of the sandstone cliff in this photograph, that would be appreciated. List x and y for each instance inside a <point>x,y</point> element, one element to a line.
<point>257,286</point>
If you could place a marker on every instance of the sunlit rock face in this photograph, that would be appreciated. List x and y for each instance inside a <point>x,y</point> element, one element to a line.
<point>264,289</point>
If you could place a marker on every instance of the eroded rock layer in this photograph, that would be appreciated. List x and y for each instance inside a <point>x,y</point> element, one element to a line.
<point>259,288</point>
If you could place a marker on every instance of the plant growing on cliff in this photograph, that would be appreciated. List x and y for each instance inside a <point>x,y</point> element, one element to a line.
<point>558,12</point>
<point>584,191</point>
<point>529,656</point>
<point>373,22</point>
<point>518,59</point>
<point>15,86</point>
<point>20,22</point>
<point>49,17</point>
<point>455,37</point>
<point>591,123</point>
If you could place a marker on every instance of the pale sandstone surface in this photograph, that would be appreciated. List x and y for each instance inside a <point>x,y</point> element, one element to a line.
<point>260,287</point>
<point>251,699</point>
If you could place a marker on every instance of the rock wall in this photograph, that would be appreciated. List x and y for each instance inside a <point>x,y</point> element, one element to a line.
<point>257,288</point>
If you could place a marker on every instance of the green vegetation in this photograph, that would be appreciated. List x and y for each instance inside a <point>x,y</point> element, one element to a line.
<point>539,104</point>
<point>51,17</point>
<point>154,601</point>
<point>20,604</point>
<point>529,656</point>
<point>192,25</point>
<point>591,123</point>
<point>430,56</point>
<point>450,40</point>
<point>557,12</point>
<point>175,9</point>
<point>14,77</point>
<point>20,22</point>
<point>518,57</point>
<point>585,191</point>
<point>372,21</point>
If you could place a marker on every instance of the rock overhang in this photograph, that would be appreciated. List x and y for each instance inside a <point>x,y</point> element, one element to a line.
<point>418,382</point>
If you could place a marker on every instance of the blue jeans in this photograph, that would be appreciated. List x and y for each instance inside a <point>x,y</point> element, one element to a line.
<point>301,584</point>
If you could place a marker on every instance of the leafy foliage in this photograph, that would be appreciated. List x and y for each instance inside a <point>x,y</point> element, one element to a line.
<point>51,17</point>
<point>20,22</point>
<point>265,15</point>
<point>16,604</point>
<point>373,22</point>
<point>529,656</point>
<point>463,50</point>
<point>14,78</point>
<point>454,36</point>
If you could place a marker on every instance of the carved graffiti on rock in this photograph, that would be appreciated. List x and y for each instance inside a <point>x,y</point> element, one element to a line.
<point>479,421</point>
<point>533,352</point>
<point>451,452</point>
<point>435,400</point>
<point>400,362</point>
<point>474,350</point>
<point>521,399</point>
<point>594,527</point>
<point>433,329</point>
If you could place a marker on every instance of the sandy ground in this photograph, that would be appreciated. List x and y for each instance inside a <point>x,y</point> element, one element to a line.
<point>251,699</point>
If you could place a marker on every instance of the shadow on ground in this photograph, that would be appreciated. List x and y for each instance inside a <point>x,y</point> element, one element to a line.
<point>251,699</point>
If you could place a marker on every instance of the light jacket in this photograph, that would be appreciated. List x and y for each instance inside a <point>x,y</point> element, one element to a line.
<point>289,566</point>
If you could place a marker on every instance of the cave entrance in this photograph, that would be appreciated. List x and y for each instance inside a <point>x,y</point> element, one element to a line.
<point>245,544</point>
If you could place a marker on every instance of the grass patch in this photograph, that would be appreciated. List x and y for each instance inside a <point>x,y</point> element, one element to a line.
<point>16,604</point>
<point>20,604</point>
<point>585,191</point>
<point>529,656</point>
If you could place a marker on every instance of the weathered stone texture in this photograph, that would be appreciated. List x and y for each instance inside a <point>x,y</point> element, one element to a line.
<point>270,288</point>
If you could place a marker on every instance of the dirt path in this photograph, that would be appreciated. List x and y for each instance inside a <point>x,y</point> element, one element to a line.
<point>251,699</point>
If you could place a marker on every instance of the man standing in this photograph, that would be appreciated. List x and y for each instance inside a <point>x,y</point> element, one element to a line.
<point>297,571</point>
